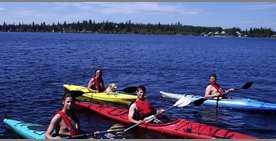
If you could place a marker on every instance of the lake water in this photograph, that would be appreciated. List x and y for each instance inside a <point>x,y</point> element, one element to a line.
<point>34,67</point>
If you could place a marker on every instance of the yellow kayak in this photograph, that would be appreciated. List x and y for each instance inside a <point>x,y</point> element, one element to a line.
<point>110,97</point>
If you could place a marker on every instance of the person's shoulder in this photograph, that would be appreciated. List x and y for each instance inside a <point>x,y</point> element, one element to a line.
<point>132,104</point>
<point>57,116</point>
<point>209,86</point>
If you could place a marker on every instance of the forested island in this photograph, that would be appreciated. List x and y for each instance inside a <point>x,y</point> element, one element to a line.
<point>106,27</point>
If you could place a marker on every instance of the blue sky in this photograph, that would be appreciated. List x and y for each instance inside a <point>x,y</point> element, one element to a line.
<point>214,14</point>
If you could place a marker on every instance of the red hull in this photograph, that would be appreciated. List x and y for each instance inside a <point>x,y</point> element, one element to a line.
<point>180,127</point>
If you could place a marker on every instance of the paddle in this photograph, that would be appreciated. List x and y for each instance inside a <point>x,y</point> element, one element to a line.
<point>184,101</point>
<point>201,100</point>
<point>116,128</point>
<point>127,90</point>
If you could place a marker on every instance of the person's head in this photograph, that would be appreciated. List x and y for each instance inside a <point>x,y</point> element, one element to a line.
<point>98,73</point>
<point>141,92</point>
<point>67,101</point>
<point>212,78</point>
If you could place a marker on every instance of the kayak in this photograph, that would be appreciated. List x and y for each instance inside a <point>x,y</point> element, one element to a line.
<point>110,97</point>
<point>25,130</point>
<point>37,131</point>
<point>232,103</point>
<point>179,127</point>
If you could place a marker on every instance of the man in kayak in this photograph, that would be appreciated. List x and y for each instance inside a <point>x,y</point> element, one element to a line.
<point>214,90</point>
<point>65,122</point>
<point>96,83</point>
<point>140,108</point>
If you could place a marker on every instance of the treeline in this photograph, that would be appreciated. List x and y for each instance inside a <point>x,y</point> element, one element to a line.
<point>128,27</point>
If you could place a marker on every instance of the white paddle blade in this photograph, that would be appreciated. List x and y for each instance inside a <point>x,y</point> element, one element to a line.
<point>149,118</point>
<point>184,101</point>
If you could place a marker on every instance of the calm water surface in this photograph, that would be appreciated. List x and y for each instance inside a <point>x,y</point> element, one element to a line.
<point>34,66</point>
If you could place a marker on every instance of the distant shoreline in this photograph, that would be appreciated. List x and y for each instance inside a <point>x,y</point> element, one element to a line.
<point>133,34</point>
<point>91,27</point>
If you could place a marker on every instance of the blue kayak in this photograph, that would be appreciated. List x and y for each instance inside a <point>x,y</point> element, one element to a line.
<point>231,103</point>
<point>26,130</point>
<point>37,131</point>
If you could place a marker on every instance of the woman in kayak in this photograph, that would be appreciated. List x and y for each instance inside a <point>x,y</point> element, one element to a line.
<point>214,90</point>
<point>140,109</point>
<point>96,83</point>
<point>65,122</point>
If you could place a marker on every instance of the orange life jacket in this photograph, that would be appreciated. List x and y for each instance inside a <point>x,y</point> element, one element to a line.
<point>144,108</point>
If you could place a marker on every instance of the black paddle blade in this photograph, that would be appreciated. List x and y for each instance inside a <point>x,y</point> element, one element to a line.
<point>199,101</point>
<point>247,85</point>
<point>77,93</point>
<point>130,89</point>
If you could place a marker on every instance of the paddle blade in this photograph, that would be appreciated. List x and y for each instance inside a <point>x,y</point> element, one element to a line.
<point>247,85</point>
<point>184,101</point>
<point>200,101</point>
<point>76,93</point>
<point>116,127</point>
<point>130,89</point>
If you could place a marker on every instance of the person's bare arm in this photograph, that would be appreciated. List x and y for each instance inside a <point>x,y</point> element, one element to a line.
<point>131,113</point>
<point>90,83</point>
<point>54,122</point>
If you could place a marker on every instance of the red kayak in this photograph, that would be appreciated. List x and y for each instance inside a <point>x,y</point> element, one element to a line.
<point>179,127</point>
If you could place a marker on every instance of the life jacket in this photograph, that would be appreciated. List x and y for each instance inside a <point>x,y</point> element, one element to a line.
<point>97,85</point>
<point>218,88</point>
<point>68,124</point>
<point>144,108</point>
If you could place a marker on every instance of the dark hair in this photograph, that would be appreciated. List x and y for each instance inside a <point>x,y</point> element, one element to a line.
<point>67,95</point>
<point>142,88</point>
<point>212,75</point>
<point>100,73</point>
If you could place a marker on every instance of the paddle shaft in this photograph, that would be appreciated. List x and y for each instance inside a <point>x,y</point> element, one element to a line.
<point>94,133</point>
<point>237,88</point>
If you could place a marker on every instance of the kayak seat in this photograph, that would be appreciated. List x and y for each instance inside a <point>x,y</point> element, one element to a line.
<point>162,119</point>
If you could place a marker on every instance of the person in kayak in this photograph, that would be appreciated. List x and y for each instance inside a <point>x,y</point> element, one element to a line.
<point>140,108</point>
<point>214,90</point>
<point>65,122</point>
<point>96,83</point>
